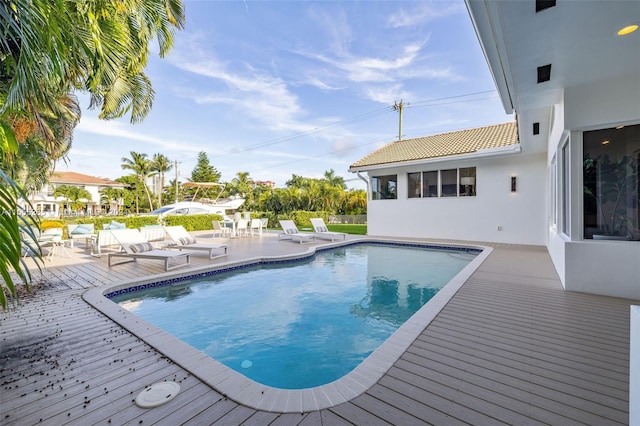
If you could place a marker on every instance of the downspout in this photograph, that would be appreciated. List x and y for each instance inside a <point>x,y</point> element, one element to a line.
<point>366,182</point>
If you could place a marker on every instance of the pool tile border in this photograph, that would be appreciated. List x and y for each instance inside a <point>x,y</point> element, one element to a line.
<point>245,391</point>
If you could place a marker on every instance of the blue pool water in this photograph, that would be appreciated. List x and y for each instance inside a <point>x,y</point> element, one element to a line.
<point>302,324</point>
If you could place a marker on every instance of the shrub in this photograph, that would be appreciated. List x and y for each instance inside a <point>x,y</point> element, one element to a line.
<point>49,224</point>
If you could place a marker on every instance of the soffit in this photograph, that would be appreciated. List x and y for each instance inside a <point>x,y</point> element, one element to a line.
<point>578,38</point>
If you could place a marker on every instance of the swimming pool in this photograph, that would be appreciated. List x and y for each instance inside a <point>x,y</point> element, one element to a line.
<point>300,325</point>
<point>255,395</point>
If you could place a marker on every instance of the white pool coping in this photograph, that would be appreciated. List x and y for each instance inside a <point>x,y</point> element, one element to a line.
<point>245,391</point>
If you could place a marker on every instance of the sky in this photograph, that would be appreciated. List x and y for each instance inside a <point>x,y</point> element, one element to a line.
<point>276,88</point>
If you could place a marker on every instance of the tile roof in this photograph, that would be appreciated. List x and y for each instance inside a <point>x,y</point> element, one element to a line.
<point>443,145</point>
<point>80,179</point>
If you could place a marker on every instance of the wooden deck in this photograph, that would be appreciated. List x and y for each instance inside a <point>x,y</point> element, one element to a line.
<point>510,348</point>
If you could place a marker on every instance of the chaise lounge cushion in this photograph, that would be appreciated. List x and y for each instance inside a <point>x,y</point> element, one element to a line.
<point>185,241</point>
<point>141,247</point>
<point>83,229</point>
<point>115,225</point>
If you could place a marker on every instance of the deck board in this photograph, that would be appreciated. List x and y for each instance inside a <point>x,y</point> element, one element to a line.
<point>512,347</point>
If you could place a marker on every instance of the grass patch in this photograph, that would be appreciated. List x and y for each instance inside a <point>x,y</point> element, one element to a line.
<point>348,228</point>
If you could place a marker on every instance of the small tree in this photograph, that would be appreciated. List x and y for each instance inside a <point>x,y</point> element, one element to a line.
<point>204,171</point>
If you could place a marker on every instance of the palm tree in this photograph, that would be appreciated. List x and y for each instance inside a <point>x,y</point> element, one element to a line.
<point>333,180</point>
<point>141,167</point>
<point>13,222</point>
<point>160,164</point>
<point>110,196</point>
<point>243,185</point>
<point>102,47</point>
<point>50,48</point>
<point>73,195</point>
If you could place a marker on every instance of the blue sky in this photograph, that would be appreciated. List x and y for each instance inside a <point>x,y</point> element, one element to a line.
<point>276,88</point>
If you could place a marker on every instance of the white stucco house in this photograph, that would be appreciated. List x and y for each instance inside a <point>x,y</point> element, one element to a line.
<point>551,177</point>
<point>47,205</point>
<point>569,71</point>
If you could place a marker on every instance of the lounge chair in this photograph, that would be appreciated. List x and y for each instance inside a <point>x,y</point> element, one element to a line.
<point>84,231</point>
<point>290,232</point>
<point>322,232</point>
<point>135,247</point>
<point>182,240</point>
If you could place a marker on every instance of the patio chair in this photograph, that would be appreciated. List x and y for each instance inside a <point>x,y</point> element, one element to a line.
<point>104,238</point>
<point>219,229</point>
<point>255,227</point>
<point>51,239</point>
<point>182,240</point>
<point>265,223</point>
<point>83,231</point>
<point>242,228</point>
<point>290,232</point>
<point>322,232</point>
<point>135,247</point>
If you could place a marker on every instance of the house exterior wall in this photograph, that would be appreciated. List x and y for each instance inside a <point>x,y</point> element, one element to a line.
<point>600,267</point>
<point>521,215</point>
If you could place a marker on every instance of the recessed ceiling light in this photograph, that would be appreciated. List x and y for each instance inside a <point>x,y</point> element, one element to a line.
<point>605,142</point>
<point>628,29</point>
<point>619,127</point>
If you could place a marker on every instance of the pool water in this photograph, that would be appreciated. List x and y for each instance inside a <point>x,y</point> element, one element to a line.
<point>302,324</point>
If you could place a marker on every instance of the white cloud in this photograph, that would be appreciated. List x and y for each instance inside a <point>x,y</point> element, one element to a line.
<point>121,130</point>
<point>422,13</point>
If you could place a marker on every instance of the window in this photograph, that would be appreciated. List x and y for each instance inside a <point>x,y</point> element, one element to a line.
<point>566,188</point>
<point>384,187</point>
<point>449,179</point>
<point>413,182</point>
<point>552,192</point>
<point>430,184</point>
<point>468,182</point>
<point>611,183</point>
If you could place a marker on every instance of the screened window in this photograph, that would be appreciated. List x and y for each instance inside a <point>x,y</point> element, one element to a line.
<point>449,179</point>
<point>611,183</point>
<point>384,187</point>
<point>468,182</point>
<point>413,182</point>
<point>430,184</point>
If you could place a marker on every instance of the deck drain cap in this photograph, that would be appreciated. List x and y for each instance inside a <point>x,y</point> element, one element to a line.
<point>157,394</point>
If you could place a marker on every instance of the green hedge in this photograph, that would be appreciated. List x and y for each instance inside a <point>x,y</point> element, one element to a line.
<point>196,222</point>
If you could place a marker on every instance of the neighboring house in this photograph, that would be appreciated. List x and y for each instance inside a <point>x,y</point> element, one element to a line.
<point>575,86</point>
<point>47,205</point>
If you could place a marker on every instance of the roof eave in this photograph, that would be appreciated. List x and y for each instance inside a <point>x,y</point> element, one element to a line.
<point>485,18</point>
<point>489,152</point>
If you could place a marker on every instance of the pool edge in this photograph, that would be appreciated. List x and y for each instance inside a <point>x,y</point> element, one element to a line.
<point>245,391</point>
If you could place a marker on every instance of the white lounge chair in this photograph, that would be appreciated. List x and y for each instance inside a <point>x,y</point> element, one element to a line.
<point>290,232</point>
<point>182,240</point>
<point>322,231</point>
<point>135,247</point>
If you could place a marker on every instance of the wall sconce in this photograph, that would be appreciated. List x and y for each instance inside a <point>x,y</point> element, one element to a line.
<point>513,184</point>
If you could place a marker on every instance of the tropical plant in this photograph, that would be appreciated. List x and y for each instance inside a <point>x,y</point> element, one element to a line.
<point>110,196</point>
<point>14,221</point>
<point>52,47</point>
<point>242,185</point>
<point>47,50</point>
<point>73,196</point>
<point>613,185</point>
<point>160,165</point>
<point>142,168</point>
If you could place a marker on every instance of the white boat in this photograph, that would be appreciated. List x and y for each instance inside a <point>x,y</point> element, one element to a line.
<point>195,205</point>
